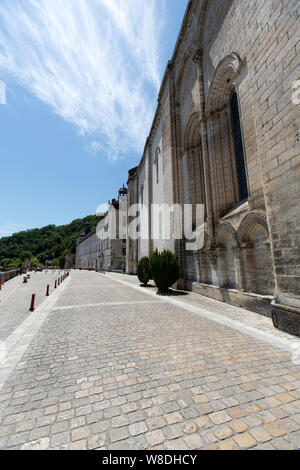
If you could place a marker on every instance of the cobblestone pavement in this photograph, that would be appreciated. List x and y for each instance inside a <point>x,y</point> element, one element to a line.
<point>15,295</point>
<point>114,366</point>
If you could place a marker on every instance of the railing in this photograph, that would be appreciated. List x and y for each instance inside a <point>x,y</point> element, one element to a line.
<point>6,276</point>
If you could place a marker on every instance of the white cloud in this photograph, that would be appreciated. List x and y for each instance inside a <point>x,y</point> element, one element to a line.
<point>95,62</point>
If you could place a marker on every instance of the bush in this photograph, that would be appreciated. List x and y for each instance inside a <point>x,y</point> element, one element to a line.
<point>165,269</point>
<point>143,271</point>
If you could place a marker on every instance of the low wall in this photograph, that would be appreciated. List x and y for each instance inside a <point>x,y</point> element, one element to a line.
<point>6,276</point>
<point>254,302</point>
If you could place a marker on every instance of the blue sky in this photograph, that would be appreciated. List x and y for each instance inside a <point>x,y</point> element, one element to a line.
<point>81,81</point>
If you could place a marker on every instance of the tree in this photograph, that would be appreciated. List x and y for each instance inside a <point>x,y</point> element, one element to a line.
<point>35,262</point>
<point>55,263</point>
<point>46,243</point>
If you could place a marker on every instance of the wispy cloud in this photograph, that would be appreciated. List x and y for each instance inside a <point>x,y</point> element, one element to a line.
<point>95,62</point>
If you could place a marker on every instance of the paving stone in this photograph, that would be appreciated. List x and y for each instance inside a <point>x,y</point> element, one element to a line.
<point>38,433</point>
<point>204,422</point>
<point>96,441</point>
<point>176,444</point>
<point>80,433</point>
<point>223,432</point>
<point>193,441</point>
<point>228,444</point>
<point>25,426</point>
<point>155,437</point>
<point>275,429</point>
<point>119,434</point>
<point>236,412</point>
<point>173,418</point>
<point>150,377</point>
<point>59,427</point>
<point>189,427</point>
<point>78,445</point>
<point>156,423</point>
<point>220,417</point>
<point>173,431</point>
<point>260,434</point>
<point>245,440</point>
<point>17,439</point>
<point>137,428</point>
<point>170,407</point>
<point>60,439</point>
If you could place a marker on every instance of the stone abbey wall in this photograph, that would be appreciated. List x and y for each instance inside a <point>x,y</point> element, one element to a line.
<point>226,134</point>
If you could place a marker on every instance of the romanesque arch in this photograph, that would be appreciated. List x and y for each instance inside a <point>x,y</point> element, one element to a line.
<point>221,85</point>
<point>249,224</point>
<point>195,170</point>
<point>226,243</point>
<point>253,237</point>
<point>225,138</point>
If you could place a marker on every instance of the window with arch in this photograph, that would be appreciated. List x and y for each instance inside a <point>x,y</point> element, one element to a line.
<point>156,161</point>
<point>238,147</point>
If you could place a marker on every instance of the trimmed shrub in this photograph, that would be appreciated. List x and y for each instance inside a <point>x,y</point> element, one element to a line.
<point>143,271</point>
<point>165,269</point>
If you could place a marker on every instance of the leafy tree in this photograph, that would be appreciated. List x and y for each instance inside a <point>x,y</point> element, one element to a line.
<point>35,262</point>
<point>45,244</point>
<point>55,262</point>
<point>62,258</point>
<point>25,255</point>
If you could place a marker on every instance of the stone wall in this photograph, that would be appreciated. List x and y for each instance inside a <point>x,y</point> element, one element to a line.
<point>228,135</point>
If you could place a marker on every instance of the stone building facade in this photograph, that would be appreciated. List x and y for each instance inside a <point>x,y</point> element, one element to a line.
<point>226,134</point>
<point>104,248</point>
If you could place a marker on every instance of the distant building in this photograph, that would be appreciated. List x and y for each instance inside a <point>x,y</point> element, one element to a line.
<point>104,248</point>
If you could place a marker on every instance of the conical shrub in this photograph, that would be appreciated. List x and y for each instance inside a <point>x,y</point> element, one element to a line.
<point>165,269</point>
<point>143,271</point>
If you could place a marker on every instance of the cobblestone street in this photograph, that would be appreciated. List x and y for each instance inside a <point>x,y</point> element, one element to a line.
<point>105,364</point>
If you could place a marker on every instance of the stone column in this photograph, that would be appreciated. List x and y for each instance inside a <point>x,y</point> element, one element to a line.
<point>198,59</point>
<point>150,199</point>
<point>239,271</point>
<point>250,266</point>
<point>213,261</point>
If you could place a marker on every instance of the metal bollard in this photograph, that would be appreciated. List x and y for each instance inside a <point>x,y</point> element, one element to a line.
<point>55,285</point>
<point>32,303</point>
<point>48,291</point>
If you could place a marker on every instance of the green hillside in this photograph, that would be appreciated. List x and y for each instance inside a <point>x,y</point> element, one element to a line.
<point>47,243</point>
